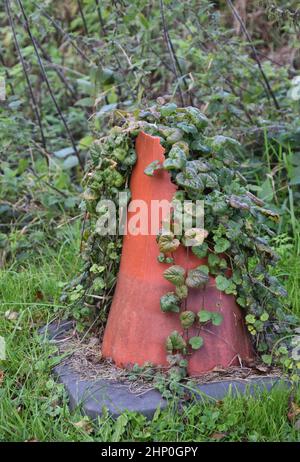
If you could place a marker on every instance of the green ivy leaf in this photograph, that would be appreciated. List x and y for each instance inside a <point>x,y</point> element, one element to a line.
<point>196,342</point>
<point>182,291</point>
<point>221,245</point>
<point>250,319</point>
<point>167,243</point>
<point>204,316</point>
<point>210,180</point>
<point>264,317</point>
<point>170,302</point>
<point>97,268</point>
<point>267,359</point>
<point>175,342</point>
<point>175,274</point>
<point>241,203</point>
<point>241,301</point>
<point>130,158</point>
<point>194,237</point>
<point>175,135</point>
<point>190,179</point>
<point>198,145</point>
<point>187,128</point>
<point>200,250</point>
<point>155,165</point>
<point>222,283</point>
<point>176,159</point>
<point>198,277</point>
<point>168,109</point>
<point>187,319</point>
<point>220,141</point>
<point>196,117</point>
<point>216,319</point>
<point>216,263</point>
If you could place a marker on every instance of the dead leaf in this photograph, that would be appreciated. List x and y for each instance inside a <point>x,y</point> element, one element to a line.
<point>11,315</point>
<point>249,362</point>
<point>219,403</point>
<point>39,295</point>
<point>262,368</point>
<point>219,369</point>
<point>94,341</point>
<point>84,424</point>
<point>93,358</point>
<point>218,436</point>
<point>1,377</point>
<point>297,425</point>
<point>294,411</point>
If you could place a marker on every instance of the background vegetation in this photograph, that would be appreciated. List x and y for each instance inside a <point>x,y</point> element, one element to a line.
<point>66,67</point>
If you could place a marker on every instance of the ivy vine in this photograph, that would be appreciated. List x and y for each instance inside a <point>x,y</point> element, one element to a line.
<point>237,235</point>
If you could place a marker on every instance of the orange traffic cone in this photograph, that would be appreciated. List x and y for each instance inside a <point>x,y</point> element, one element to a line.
<point>137,329</point>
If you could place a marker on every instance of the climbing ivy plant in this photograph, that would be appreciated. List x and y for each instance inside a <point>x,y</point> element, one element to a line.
<point>234,244</point>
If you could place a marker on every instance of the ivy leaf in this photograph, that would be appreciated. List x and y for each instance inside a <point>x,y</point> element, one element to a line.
<point>97,268</point>
<point>250,319</point>
<point>175,342</point>
<point>241,301</point>
<point>196,117</point>
<point>222,283</point>
<point>198,277</point>
<point>237,277</point>
<point>170,302</point>
<point>89,195</point>
<point>233,231</point>
<point>220,141</point>
<point>225,285</point>
<point>221,245</point>
<point>213,260</point>
<point>270,214</point>
<point>187,319</point>
<point>175,135</point>
<point>200,250</point>
<point>196,342</point>
<point>194,237</point>
<point>198,145</point>
<point>267,359</point>
<point>176,159</point>
<point>161,258</point>
<point>190,179</point>
<point>181,291</point>
<point>204,316</point>
<point>210,180</point>
<point>168,109</point>
<point>155,165</point>
<point>262,246</point>
<point>187,128</point>
<point>215,263</point>
<point>175,274</point>
<point>238,203</point>
<point>167,243</point>
<point>130,158</point>
<point>216,318</point>
<point>200,166</point>
<point>264,317</point>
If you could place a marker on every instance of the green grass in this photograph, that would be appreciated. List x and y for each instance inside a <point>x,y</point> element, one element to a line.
<point>33,406</point>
